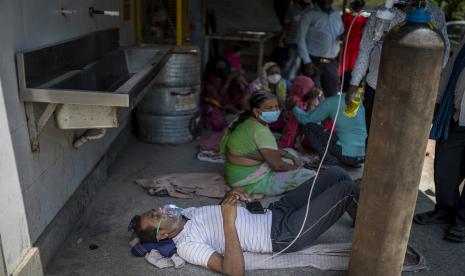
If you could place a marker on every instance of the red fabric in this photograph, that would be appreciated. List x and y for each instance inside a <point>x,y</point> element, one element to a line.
<point>211,142</point>
<point>279,124</point>
<point>233,58</point>
<point>212,88</point>
<point>301,86</point>
<point>234,95</point>
<point>353,43</point>
<point>306,144</point>
<point>213,118</point>
<point>328,125</point>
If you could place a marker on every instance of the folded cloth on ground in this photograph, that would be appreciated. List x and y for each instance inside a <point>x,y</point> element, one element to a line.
<point>156,259</point>
<point>210,156</point>
<point>322,256</point>
<point>184,185</point>
<point>166,248</point>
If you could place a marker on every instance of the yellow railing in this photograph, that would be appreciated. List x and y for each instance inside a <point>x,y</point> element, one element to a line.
<point>179,25</point>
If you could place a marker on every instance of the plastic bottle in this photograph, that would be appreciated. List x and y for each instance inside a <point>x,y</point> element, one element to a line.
<point>384,17</point>
<point>357,98</point>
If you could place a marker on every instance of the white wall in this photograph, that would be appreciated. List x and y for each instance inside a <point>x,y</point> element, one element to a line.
<point>47,179</point>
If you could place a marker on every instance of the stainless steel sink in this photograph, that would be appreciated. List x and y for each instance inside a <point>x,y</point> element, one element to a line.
<point>109,73</point>
<point>89,70</point>
<point>88,81</point>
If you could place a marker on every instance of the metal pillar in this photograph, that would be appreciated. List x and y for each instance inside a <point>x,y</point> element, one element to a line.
<point>404,103</point>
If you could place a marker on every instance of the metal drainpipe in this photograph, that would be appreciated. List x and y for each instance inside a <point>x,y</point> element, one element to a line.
<point>403,109</point>
<point>90,134</point>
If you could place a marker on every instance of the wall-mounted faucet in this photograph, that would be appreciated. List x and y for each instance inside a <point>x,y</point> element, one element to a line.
<point>93,11</point>
<point>66,12</point>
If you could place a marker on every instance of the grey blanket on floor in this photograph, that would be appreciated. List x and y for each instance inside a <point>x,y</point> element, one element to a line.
<point>324,257</point>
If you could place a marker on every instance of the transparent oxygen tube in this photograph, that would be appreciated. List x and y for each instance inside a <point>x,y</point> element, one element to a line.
<point>384,17</point>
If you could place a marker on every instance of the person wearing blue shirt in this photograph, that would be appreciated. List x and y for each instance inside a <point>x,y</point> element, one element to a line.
<point>318,41</point>
<point>348,143</point>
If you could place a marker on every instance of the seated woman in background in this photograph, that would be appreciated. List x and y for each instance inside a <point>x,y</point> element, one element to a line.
<point>348,142</point>
<point>252,157</point>
<point>218,81</point>
<point>299,92</point>
<point>271,80</point>
<point>233,54</point>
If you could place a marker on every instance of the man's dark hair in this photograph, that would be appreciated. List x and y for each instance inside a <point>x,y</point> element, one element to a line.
<point>145,235</point>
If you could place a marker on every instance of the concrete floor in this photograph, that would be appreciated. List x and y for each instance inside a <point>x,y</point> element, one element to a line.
<point>106,219</point>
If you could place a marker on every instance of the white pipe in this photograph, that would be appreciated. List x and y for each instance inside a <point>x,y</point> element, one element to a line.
<point>90,134</point>
<point>111,13</point>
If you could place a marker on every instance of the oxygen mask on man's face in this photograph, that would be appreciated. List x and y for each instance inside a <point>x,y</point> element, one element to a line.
<point>171,211</point>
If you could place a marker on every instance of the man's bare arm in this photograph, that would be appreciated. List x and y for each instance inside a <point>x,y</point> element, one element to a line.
<point>232,263</point>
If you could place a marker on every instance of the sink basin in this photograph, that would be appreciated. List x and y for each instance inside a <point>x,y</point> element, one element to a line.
<point>89,70</point>
<point>109,73</point>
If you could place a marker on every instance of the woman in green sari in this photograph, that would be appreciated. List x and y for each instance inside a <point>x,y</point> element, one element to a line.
<point>253,160</point>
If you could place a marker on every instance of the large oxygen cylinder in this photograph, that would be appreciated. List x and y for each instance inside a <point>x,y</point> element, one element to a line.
<point>409,76</point>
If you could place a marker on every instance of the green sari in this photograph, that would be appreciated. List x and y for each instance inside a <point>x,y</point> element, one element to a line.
<point>246,140</point>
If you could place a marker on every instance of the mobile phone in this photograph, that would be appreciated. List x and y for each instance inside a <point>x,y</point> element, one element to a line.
<point>255,207</point>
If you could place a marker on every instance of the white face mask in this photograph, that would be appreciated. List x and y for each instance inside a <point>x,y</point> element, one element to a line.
<point>274,79</point>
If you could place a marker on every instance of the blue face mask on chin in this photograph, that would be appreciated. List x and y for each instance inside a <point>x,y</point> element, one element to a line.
<point>270,116</point>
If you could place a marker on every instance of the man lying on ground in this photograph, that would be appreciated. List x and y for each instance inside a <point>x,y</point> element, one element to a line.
<point>215,236</point>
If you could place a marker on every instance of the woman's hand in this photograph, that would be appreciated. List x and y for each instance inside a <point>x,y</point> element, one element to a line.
<point>290,103</point>
<point>352,90</point>
<point>297,161</point>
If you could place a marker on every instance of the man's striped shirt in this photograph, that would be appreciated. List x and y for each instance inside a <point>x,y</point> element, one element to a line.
<point>203,234</point>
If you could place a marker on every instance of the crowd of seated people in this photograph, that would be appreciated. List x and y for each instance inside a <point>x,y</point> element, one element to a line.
<point>295,108</point>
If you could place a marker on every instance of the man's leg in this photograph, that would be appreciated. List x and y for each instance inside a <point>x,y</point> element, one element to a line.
<point>298,197</point>
<point>336,151</point>
<point>368,102</point>
<point>461,202</point>
<point>456,143</point>
<point>318,138</point>
<point>318,72</point>
<point>330,78</point>
<point>448,170</point>
<point>289,66</point>
<point>325,210</point>
<point>448,174</point>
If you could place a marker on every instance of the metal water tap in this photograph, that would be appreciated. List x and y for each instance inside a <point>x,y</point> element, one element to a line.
<point>93,11</point>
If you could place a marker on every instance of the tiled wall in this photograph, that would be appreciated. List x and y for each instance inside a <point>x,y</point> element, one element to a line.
<point>47,179</point>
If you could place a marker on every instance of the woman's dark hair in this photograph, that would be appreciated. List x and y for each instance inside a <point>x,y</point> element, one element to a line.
<point>237,48</point>
<point>257,99</point>
<point>357,5</point>
<point>210,68</point>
